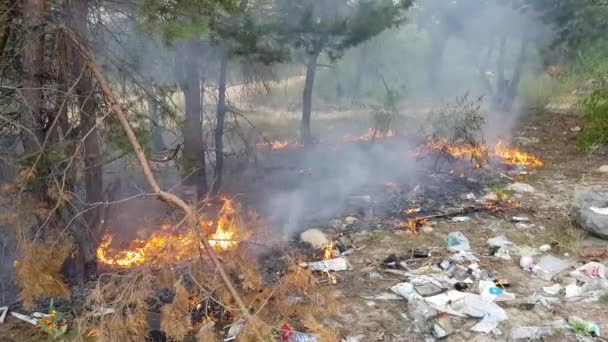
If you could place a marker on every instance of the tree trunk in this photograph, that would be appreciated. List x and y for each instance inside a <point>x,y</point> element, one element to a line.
<point>158,144</point>
<point>219,125</point>
<point>501,82</point>
<point>362,69</point>
<point>194,149</point>
<point>34,12</point>
<point>87,237</point>
<point>311,68</point>
<point>517,71</point>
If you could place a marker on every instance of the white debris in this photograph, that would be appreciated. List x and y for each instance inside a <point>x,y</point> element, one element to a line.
<point>461,219</point>
<point>3,311</point>
<point>590,271</point>
<point>603,168</point>
<point>554,290</point>
<point>544,248</point>
<point>490,196</point>
<point>520,219</point>
<point>488,324</point>
<point>526,262</point>
<point>463,304</point>
<point>384,296</point>
<point>470,196</point>
<point>25,318</point>
<point>549,266</point>
<point>103,312</point>
<point>499,241</point>
<point>521,188</point>
<point>462,256</point>
<point>353,338</point>
<point>523,225</point>
<point>599,211</point>
<point>406,290</point>
<point>336,264</point>
<point>315,237</point>
<point>350,220</point>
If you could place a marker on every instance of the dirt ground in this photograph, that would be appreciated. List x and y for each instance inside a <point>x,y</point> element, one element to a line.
<point>566,170</point>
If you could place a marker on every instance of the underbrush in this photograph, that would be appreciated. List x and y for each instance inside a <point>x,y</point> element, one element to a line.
<point>595,111</point>
<point>538,91</point>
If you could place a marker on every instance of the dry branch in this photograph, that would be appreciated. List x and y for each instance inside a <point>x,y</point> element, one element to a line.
<point>162,195</point>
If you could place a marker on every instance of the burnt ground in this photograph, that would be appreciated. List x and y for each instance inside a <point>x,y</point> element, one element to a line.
<point>566,169</point>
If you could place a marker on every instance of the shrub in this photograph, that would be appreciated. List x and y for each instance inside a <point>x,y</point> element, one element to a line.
<point>595,111</point>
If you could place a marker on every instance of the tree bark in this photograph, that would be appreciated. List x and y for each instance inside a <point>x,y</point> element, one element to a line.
<point>194,149</point>
<point>34,12</point>
<point>517,71</point>
<point>87,237</point>
<point>158,144</point>
<point>311,68</point>
<point>219,125</point>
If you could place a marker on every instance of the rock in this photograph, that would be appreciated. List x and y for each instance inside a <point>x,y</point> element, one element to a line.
<point>336,224</point>
<point>521,188</point>
<point>593,221</point>
<point>575,129</point>
<point>524,141</point>
<point>315,237</point>
<point>533,333</point>
<point>349,220</point>
<point>544,248</point>
<point>603,168</point>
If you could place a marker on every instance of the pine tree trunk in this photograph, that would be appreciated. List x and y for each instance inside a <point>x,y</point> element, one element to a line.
<point>194,149</point>
<point>158,144</point>
<point>34,12</point>
<point>311,67</point>
<point>87,237</point>
<point>219,126</point>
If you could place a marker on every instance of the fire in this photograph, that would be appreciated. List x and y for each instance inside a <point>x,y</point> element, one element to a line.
<point>169,246</point>
<point>513,156</point>
<point>480,154</point>
<point>277,145</point>
<point>369,135</point>
<point>411,211</point>
<point>329,252</point>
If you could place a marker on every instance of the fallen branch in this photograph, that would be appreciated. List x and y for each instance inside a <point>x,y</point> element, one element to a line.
<point>167,197</point>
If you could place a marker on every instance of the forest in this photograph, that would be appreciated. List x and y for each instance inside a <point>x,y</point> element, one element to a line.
<point>303,170</point>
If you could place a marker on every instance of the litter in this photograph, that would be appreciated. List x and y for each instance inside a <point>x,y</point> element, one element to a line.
<point>599,211</point>
<point>544,248</point>
<point>25,318</point>
<point>520,219</point>
<point>523,225</point>
<point>549,266</point>
<point>420,311</point>
<point>445,264</point>
<point>442,327</point>
<point>463,304</point>
<point>336,264</point>
<point>499,241</point>
<point>488,324</point>
<point>289,335</point>
<point>462,256</point>
<point>461,219</point>
<point>406,290</point>
<point>456,241</point>
<point>384,296</point>
<point>428,289</point>
<point>555,290</point>
<point>581,325</point>
<point>490,292</point>
<point>589,272</point>
<point>3,311</point>
<point>526,262</point>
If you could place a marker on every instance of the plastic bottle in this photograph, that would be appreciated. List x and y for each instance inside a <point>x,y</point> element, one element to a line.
<point>579,324</point>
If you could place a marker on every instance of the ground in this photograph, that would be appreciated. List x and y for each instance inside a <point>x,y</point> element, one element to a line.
<point>553,138</point>
<point>566,169</point>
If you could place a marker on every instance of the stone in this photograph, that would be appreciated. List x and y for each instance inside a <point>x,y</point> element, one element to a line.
<point>521,188</point>
<point>534,333</point>
<point>349,220</point>
<point>524,141</point>
<point>315,237</point>
<point>587,211</point>
<point>603,168</point>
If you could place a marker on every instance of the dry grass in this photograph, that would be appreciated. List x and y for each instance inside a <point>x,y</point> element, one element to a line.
<point>175,317</point>
<point>127,295</point>
<point>38,271</point>
<point>206,333</point>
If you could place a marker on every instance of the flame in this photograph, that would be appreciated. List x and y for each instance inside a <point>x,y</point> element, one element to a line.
<point>330,252</point>
<point>369,135</point>
<point>513,156</point>
<point>480,154</point>
<point>168,246</point>
<point>277,145</point>
<point>411,211</point>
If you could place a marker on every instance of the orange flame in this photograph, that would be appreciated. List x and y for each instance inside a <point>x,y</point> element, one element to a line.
<point>329,252</point>
<point>277,145</point>
<point>369,135</point>
<point>480,154</point>
<point>168,246</point>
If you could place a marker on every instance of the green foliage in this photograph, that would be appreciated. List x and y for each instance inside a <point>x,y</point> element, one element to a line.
<point>55,326</point>
<point>384,115</point>
<point>595,111</point>
<point>538,91</point>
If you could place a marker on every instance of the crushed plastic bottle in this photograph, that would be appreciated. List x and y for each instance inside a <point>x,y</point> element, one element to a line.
<point>581,325</point>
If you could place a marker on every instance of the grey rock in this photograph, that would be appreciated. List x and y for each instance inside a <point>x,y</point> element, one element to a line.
<point>587,219</point>
<point>521,188</point>
<point>528,333</point>
<point>603,168</point>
